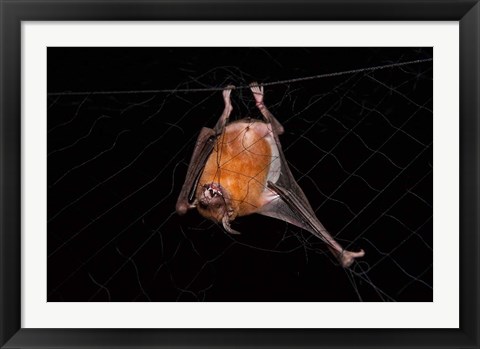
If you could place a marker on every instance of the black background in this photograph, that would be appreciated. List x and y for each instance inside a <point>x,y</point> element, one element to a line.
<point>117,161</point>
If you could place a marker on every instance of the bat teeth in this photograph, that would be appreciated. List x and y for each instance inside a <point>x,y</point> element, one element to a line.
<point>212,190</point>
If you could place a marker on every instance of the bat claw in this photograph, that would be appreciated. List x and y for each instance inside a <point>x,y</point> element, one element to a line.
<point>346,258</point>
<point>257,93</point>
<point>227,91</point>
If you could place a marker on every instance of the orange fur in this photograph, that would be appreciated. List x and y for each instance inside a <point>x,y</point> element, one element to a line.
<point>240,163</point>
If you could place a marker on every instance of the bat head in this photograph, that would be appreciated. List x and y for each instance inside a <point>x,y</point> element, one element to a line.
<point>213,201</point>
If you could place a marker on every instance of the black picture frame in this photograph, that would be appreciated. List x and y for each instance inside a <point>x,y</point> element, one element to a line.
<point>467,12</point>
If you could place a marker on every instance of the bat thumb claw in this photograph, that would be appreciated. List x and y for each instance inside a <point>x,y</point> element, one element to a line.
<point>346,258</point>
<point>181,208</point>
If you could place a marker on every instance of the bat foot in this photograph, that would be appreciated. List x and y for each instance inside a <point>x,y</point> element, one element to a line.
<point>257,93</point>
<point>227,91</point>
<point>226,98</point>
<point>346,258</point>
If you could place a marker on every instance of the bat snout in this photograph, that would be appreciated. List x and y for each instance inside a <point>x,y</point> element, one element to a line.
<point>213,202</point>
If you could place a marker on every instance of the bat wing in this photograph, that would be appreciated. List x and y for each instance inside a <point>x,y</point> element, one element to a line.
<point>203,149</point>
<point>286,201</point>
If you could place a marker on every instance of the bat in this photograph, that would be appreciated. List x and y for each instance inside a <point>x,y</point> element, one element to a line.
<point>238,168</point>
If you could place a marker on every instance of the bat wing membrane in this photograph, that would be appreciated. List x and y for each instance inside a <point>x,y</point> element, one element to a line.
<point>290,203</point>
<point>286,201</point>
<point>288,206</point>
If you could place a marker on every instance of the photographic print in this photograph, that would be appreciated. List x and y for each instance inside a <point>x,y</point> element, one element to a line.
<point>235,174</point>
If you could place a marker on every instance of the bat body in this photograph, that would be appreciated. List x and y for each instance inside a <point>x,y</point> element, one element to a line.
<point>239,168</point>
<point>244,158</point>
